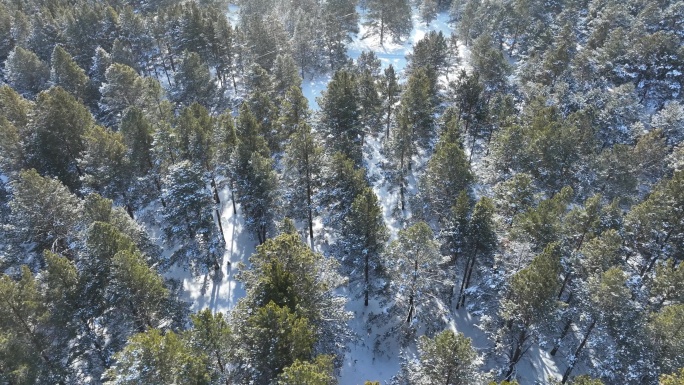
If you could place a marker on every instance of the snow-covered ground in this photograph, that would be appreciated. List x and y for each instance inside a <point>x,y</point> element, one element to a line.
<point>220,293</point>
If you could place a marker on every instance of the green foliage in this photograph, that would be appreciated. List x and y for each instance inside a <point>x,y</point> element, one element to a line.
<point>412,263</point>
<point>542,224</point>
<point>104,163</point>
<point>391,18</point>
<point>44,212</point>
<point>534,288</point>
<point>68,75</point>
<point>188,218</point>
<point>320,371</point>
<point>193,82</point>
<point>155,357</point>
<point>25,72</point>
<point>289,308</point>
<point>303,172</point>
<point>446,176</point>
<point>278,338</point>
<point>340,115</point>
<point>58,125</point>
<point>448,358</point>
<point>365,235</point>
<point>667,337</point>
<point>677,378</point>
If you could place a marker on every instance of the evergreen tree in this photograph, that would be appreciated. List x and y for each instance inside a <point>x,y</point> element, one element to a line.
<point>340,116</point>
<point>123,89</point>
<point>667,337</point>
<point>364,235</point>
<point>428,10</point>
<point>448,358</point>
<point>11,152</point>
<point>447,174</point>
<point>415,255</point>
<point>68,75</point>
<point>389,90</point>
<point>303,158</point>
<point>481,241</point>
<point>137,137</point>
<point>30,345</point>
<point>541,225</point>
<point>342,182</point>
<point>285,76</point>
<point>25,72</point>
<point>389,17</point>
<point>211,333</point>
<point>294,311</point>
<point>369,102</point>
<point>104,164</point>
<point>417,106</point>
<point>57,127</point>
<point>319,371</point>
<point>155,357</point>
<point>340,21</point>
<point>193,82</point>
<point>294,111</point>
<point>188,218</point>
<point>430,53</point>
<point>532,298</point>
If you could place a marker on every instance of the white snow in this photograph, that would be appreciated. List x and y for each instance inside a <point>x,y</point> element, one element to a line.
<point>220,293</point>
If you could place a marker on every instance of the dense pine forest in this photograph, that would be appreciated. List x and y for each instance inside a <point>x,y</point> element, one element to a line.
<point>321,192</point>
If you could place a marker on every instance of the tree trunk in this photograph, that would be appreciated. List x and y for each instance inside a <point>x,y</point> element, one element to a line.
<point>366,290</point>
<point>565,331</point>
<point>516,354</point>
<point>566,375</point>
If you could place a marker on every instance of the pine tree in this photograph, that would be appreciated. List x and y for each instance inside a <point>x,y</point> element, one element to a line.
<point>137,137</point>
<point>289,288</point>
<point>123,89</point>
<point>340,21</point>
<point>665,329</point>
<point>212,333</point>
<point>413,264</point>
<point>257,192</point>
<point>389,17</point>
<point>106,169</point>
<point>481,241</point>
<point>417,105</point>
<point>25,72</point>
<point>155,357</point>
<point>369,102</point>
<point>389,90</point>
<point>447,174</point>
<point>303,158</point>
<point>430,53</point>
<point>294,110</point>
<point>285,76</point>
<point>189,220</point>
<point>342,182</point>
<point>319,371</point>
<point>533,291</point>
<point>11,152</point>
<point>340,116</point>
<point>193,82</point>
<point>58,124</point>
<point>30,348</point>
<point>365,235</point>
<point>68,75</point>
<point>448,358</point>
<point>5,33</point>
<point>278,337</point>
